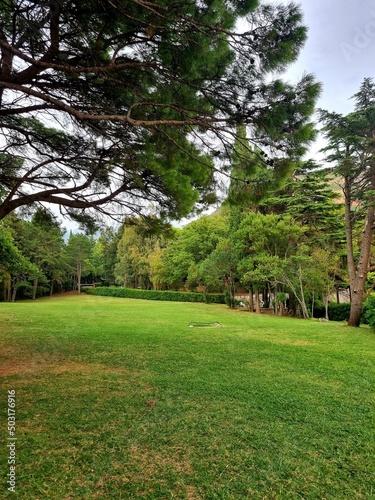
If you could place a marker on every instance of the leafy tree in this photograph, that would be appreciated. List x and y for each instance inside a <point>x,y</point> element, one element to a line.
<point>176,265</point>
<point>351,144</point>
<point>155,262</point>
<point>41,241</point>
<point>14,267</point>
<point>96,261</point>
<point>107,244</point>
<point>79,251</point>
<point>138,96</point>
<point>192,245</point>
<point>292,273</point>
<point>311,197</point>
<point>219,270</point>
<point>10,257</point>
<point>266,245</point>
<point>322,277</point>
<point>255,272</point>
<point>132,269</point>
<point>47,248</point>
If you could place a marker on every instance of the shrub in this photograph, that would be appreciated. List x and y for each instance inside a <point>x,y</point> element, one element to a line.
<point>336,312</point>
<point>341,312</point>
<point>369,311</point>
<point>133,293</point>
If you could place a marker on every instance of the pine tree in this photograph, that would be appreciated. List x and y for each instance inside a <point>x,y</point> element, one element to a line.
<point>113,107</point>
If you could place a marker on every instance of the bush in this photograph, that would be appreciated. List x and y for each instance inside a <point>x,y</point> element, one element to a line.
<point>336,312</point>
<point>341,312</point>
<point>133,293</point>
<point>369,311</point>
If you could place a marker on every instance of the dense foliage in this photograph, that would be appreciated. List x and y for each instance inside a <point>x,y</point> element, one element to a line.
<point>369,311</point>
<point>121,106</point>
<point>269,259</point>
<point>291,263</point>
<point>351,148</point>
<point>286,245</point>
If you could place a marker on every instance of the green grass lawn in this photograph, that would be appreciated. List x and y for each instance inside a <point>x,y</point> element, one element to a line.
<point>120,398</point>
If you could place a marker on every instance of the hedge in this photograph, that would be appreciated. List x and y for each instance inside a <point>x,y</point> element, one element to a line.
<point>340,312</point>
<point>134,293</point>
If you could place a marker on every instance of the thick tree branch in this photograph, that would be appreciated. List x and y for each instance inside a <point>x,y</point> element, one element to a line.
<point>51,197</point>
<point>26,109</point>
<point>203,121</point>
<point>69,67</point>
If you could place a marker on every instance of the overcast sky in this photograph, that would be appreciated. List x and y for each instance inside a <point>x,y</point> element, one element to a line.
<point>340,50</point>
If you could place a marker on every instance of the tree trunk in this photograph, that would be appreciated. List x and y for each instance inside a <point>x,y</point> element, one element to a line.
<point>349,233</point>
<point>358,281</point>
<point>357,275</point>
<point>301,300</point>
<point>305,312</point>
<point>35,286</point>
<point>14,294</point>
<point>326,302</point>
<point>278,307</point>
<point>257,302</point>
<point>51,288</point>
<point>79,274</point>
<point>251,300</point>
<point>231,291</point>
<point>7,287</point>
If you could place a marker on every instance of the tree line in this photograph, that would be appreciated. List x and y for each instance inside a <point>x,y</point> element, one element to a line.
<point>124,110</point>
<point>292,245</point>
<point>287,249</point>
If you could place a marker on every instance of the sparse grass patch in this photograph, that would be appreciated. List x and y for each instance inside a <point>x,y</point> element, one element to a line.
<point>119,398</point>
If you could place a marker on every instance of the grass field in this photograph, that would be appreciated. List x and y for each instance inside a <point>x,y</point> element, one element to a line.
<point>120,398</point>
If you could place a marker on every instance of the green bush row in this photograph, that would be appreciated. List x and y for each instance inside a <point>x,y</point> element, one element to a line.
<point>132,293</point>
<point>340,312</point>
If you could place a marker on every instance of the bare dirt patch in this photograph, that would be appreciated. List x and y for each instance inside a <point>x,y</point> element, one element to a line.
<point>153,462</point>
<point>56,367</point>
<point>192,494</point>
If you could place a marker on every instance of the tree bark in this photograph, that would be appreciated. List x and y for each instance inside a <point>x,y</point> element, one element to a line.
<point>349,233</point>
<point>326,302</point>
<point>35,286</point>
<point>358,275</point>
<point>251,300</point>
<point>231,291</point>
<point>305,312</point>
<point>79,275</point>
<point>7,288</point>
<point>257,302</point>
<point>14,294</point>
<point>358,281</point>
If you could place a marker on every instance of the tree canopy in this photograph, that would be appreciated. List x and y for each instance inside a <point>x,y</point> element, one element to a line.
<point>121,106</point>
